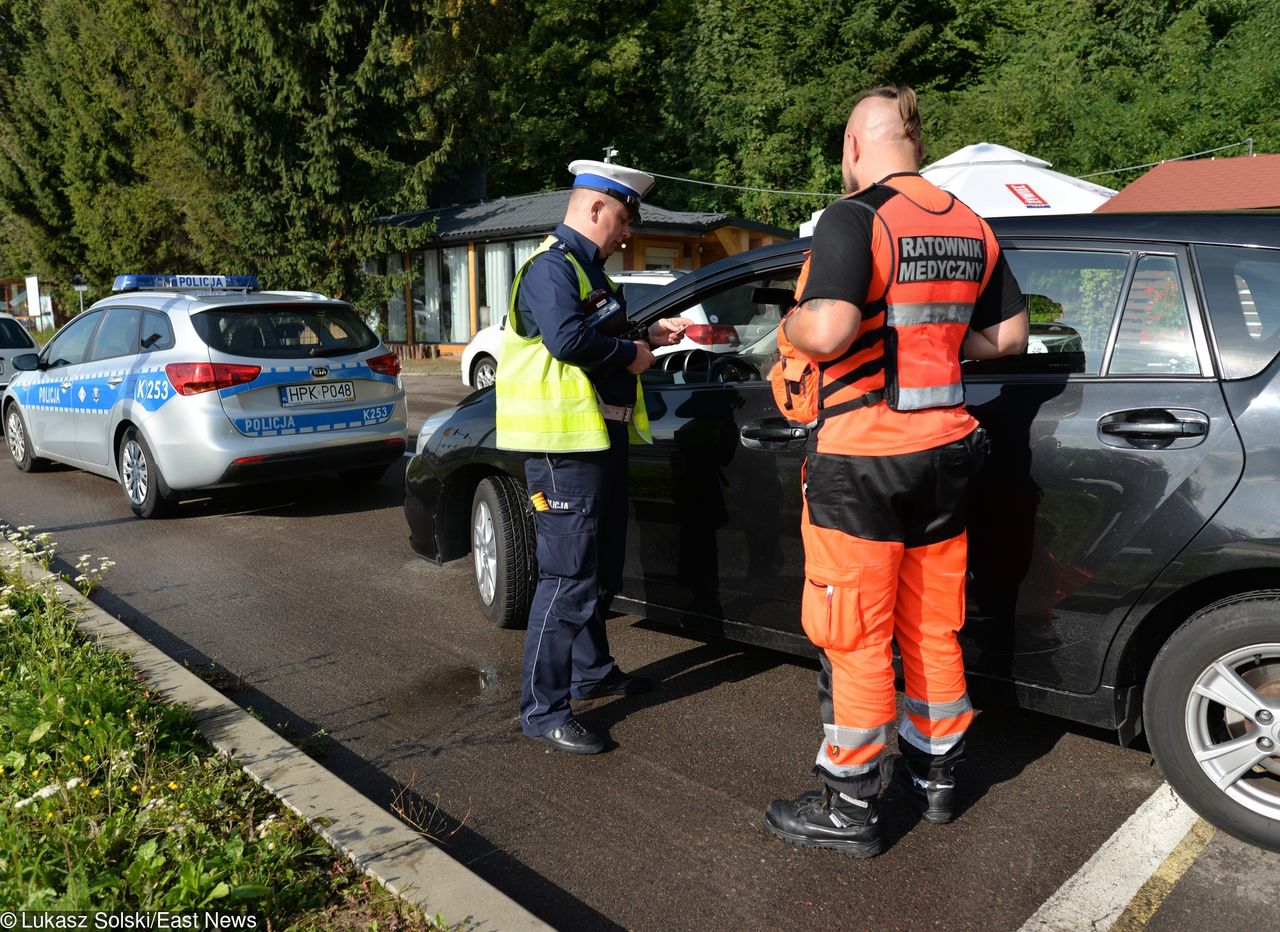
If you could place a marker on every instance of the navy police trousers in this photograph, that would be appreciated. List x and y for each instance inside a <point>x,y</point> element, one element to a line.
<point>582,536</point>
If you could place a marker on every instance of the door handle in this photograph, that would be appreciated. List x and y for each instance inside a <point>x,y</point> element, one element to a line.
<point>773,434</point>
<point>115,380</point>
<point>1154,428</point>
<point>66,386</point>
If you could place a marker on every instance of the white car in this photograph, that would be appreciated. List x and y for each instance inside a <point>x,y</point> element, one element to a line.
<point>14,340</point>
<point>480,357</point>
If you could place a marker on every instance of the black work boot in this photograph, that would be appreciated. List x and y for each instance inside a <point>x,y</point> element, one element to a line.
<point>827,820</point>
<point>934,796</point>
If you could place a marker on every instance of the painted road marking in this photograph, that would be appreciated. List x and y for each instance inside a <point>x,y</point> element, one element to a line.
<point>1150,843</point>
<point>1160,884</point>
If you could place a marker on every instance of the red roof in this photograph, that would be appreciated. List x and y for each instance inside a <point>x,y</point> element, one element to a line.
<point>1203,184</point>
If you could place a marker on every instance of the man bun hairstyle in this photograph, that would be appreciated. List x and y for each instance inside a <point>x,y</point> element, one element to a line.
<point>907,106</point>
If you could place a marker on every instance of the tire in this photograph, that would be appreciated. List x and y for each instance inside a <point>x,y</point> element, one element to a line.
<point>1211,712</point>
<point>18,439</point>
<point>484,372</point>
<point>503,560</point>
<point>148,494</point>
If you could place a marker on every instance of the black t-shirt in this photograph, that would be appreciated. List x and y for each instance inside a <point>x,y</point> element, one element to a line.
<point>840,266</point>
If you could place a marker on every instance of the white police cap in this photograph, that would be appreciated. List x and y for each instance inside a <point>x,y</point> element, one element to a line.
<point>628,185</point>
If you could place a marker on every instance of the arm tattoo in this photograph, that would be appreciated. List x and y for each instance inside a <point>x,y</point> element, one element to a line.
<point>814,305</point>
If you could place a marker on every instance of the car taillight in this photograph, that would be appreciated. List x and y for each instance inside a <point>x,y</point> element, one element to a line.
<point>192,378</point>
<point>385,365</point>
<point>707,334</point>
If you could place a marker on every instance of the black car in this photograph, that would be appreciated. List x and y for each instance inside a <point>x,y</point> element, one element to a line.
<point>1124,532</point>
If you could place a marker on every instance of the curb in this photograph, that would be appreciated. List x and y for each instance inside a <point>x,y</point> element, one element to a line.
<point>374,840</point>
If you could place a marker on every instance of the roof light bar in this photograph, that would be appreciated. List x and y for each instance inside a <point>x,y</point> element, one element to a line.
<point>135,282</point>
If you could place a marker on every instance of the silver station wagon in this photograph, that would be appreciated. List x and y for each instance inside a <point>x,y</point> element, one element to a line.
<point>179,383</point>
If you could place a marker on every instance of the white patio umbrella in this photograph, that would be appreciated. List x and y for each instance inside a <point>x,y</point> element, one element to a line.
<point>997,181</point>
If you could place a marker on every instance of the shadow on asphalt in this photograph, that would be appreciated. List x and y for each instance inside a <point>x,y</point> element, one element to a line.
<point>540,896</point>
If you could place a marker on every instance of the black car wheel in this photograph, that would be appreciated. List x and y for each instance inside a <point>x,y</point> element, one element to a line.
<point>485,372</point>
<point>149,495</point>
<point>1212,715</point>
<point>15,432</point>
<point>502,551</point>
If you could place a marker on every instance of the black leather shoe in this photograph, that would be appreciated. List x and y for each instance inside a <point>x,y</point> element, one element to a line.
<point>617,683</point>
<point>934,797</point>
<point>827,820</point>
<point>573,738</point>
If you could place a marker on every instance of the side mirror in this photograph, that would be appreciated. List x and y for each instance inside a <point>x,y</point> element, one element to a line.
<point>26,362</point>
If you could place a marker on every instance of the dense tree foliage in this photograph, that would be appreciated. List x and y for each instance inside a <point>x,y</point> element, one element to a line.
<point>265,135</point>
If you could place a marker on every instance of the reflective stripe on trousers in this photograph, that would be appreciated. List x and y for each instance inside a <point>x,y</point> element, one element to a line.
<point>916,596</point>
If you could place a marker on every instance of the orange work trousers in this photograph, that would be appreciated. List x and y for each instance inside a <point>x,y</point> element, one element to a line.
<point>891,568</point>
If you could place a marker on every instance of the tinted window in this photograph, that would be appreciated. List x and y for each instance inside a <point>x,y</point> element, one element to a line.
<point>290,331</point>
<point>1072,298</point>
<point>118,335</point>
<point>13,335</point>
<point>157,331</point>
<point>1242,291</point>
<point>636,293</point>
<point>1155,332</point>
<point>68,347</point>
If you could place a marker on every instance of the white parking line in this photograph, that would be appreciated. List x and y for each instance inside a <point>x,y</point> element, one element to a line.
<point>1103,888</point>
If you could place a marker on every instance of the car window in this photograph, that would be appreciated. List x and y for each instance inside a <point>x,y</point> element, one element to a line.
<point>1154,337</point>
<point>157,331</point>
<point>636,293</point>
<point>13,335</point>
<point>1242,291</point>
<point>1072,297</point>
<point>285,331</point>
<point>68,347</point>
<point>752,308</point>
<point>118,335</point>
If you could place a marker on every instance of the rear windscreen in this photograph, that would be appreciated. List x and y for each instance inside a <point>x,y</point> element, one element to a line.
<point>13,336</point>
<point>285,331</point>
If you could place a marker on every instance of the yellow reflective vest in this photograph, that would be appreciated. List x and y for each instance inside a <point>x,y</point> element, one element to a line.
<point>545,405</point>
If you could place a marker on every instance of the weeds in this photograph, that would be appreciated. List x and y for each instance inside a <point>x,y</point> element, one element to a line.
<point>110,799</point>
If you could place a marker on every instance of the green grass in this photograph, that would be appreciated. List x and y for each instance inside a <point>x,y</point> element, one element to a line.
<point>110,799</point>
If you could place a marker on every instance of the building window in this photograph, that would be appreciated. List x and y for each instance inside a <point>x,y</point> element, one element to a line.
<point>396,321</point>
<point>441,296</point>
<point>662,257</point>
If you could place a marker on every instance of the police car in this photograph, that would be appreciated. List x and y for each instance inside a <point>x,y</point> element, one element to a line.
<point>185,382</point>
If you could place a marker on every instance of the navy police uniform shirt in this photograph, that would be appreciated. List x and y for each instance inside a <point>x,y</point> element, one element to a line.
<point>549,305</point>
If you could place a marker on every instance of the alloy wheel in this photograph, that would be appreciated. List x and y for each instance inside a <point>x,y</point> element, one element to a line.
<point>133,469</point>
<point>1232,725</point>
<point>484,550</point>
<point>16,436</point>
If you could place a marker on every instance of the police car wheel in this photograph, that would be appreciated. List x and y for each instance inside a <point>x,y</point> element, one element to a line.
<point>19,441</point>
<point>503,545</point>
<point>485,372</point>
<point>149,495</point>
<point>1211,713</point>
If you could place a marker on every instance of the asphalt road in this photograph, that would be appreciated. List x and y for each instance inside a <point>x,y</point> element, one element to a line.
<point>304,602</point>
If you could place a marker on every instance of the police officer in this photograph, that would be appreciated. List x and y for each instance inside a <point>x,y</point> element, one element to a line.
<point>903,282</point>
<point>569,396</point>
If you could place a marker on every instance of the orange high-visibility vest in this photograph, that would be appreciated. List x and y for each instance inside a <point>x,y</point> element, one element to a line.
<point>907,352</point>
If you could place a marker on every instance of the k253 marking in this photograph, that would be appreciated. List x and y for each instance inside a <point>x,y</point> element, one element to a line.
<point>377,414</point>
<point>152,389</point>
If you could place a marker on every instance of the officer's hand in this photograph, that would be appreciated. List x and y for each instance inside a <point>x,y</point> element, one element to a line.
<point>667,331</point>
<point>643,360</point>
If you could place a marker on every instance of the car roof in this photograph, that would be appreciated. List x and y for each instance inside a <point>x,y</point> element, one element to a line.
<point>1227,228</point>
<point>192,301</point>
<point>1236,228</point>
